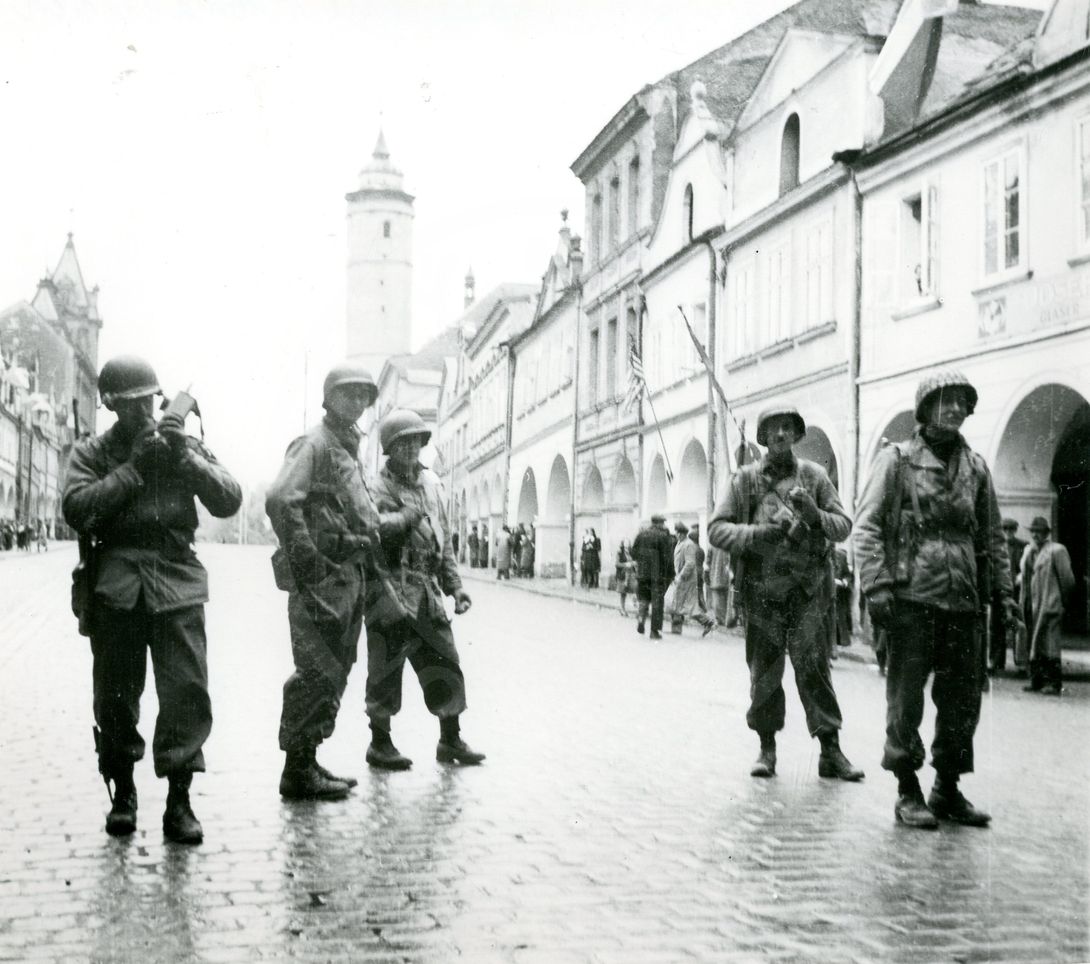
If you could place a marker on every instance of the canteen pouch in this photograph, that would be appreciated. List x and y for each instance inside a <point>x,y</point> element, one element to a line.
<point>385,610</point>
<point>285,580</point>
<point>81,596</point>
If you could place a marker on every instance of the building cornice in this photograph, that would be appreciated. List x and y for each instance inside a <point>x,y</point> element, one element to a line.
<point>695,246</point>
<point>631,116</point>
<point>381,193</point>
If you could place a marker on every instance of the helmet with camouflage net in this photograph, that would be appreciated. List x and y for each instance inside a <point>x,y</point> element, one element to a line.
<point>400,423</point>
<point>349,373</point>
<point>933,384</point>
<point>770,413</point>
<point>126,376</point>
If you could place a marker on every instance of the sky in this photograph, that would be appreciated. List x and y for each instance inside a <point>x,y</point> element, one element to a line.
<point>200,153</point>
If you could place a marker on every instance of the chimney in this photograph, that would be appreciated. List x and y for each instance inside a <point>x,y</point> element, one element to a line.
<point>470,290</point>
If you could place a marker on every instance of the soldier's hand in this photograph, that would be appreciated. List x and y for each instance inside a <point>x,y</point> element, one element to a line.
<point>356,543</point>
<point>462,602</point>
<point>146,449</point>
<point>805,505</point>
<point>880,605</point>
<point>411,516</point>
<point>768,532</point>
<point>172,428</point>
<point>1012,612</point>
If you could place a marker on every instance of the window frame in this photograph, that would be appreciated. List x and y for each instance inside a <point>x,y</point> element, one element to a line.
<point>1004,272</point>
<point>1082,211</point>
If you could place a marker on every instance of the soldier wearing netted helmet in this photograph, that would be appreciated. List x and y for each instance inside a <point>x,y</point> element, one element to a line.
<point>932,554</point>
<point>406,616</point>
<point>779,521</point>
<point>130,494</point>
<point>327,526</point>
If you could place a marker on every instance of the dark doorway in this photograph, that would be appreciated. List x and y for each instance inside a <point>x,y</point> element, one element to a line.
<point>1071,477</point>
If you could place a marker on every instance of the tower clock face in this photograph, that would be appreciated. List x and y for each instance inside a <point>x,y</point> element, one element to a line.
<point>66,294</point>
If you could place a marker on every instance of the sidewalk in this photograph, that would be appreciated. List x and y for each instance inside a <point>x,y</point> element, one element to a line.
<point>1076,661</point>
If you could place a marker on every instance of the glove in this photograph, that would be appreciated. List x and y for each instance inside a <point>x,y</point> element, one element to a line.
<point>147,450</point>
<point>768,532</point>
<point>1012,612</point>
<point>410,517</point>
<point>172,428</point>
<point>805,505</point>
<point>880,606</point>
<point>462,602</point>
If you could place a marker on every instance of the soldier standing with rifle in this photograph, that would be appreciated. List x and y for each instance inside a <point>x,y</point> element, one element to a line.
<point>130,494</point>
<point>326,522</point>
<point>405,615</point>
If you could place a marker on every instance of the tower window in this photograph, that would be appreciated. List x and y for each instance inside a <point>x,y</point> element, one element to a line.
<point>789,155</point>
<point>385,229</point>
<point>687,212</point>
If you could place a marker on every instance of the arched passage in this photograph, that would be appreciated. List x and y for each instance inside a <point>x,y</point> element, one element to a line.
<point>816,447</point>
<point>656,486</point>
<point>1042,467</point>
<point>558,497</point>
<point>594,496</point>
<point>898,429</point>
<point>692,492</point>
<point>527,509</point>
<point>623,491</point>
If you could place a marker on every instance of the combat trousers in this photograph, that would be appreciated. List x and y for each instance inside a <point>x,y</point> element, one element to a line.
<point>922,640</point>
<point>718,599</point>
<point>650,595</point>
<point>775,629</point>
<point>120,642</point>
<point>325,622</point>
<point>998,647</point>
<point>429,647</point>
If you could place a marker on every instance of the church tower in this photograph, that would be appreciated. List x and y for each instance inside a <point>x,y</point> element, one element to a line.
<point>380,268</point>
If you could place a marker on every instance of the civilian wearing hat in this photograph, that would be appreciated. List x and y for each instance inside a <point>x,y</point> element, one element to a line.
<point>653,550</point>
<point>1047,581</point>
<point>780,519</point>
<point>997,657</point>
<point>932,556</point>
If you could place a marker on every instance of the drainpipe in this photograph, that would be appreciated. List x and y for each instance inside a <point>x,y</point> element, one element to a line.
<point>574,428</point>
<point>713,414</point>
<point>509,422</point>
<point>856,336</point>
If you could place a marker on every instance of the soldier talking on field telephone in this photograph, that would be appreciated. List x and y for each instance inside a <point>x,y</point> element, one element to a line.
<point>130,496</point>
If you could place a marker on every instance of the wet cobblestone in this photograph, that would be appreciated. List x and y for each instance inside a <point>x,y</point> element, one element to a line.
<point>613,821</point>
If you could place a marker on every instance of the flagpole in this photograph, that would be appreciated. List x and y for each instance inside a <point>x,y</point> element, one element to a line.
<point>710,368</point>
<point>658,428</point>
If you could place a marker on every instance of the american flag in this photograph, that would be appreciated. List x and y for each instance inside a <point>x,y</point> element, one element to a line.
<point>636,381</point>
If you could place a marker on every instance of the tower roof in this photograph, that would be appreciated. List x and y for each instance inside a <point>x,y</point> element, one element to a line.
<point>380,173</point>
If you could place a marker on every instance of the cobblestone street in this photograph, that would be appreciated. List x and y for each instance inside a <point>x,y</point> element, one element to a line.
<point>614,820</point>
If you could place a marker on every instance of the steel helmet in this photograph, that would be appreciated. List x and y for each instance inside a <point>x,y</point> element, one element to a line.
<point>349,373</point>
<point>126,376</point>
<point>935,383</point>
<point>770,413</point>
<point>400,423</point>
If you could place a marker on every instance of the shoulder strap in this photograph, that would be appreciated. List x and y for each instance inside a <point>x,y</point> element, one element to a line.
<point>898,490</point>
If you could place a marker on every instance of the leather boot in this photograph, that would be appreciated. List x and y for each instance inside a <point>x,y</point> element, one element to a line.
<point>382,754</point>
<point>832,763</point>
<point>179,822</point>
<point>302,780</point>
<point>452,748</point>
<point>676,624</point>
<point>347,781</point>
<point>949,803</point>
<point>765,764</point>
<point>910,808</point>
<point>121,820</point>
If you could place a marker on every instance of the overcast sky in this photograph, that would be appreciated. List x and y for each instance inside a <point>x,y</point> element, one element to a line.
<point>200,153</point>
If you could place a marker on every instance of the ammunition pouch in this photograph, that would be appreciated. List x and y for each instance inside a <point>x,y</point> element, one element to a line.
<point>83,585</point>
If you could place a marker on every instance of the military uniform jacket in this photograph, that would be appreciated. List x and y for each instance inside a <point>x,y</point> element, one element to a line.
<point>319,504</point>
<point>955,556</point>
<point>420,558</point>
<point>144,523</point>
<point>758,494</point>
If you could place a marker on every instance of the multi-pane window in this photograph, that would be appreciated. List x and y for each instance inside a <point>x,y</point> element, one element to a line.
<point>611,357</point>
<point>593,359</point>
<point>631,337</point>
<point>633,195</point>
<point>918,262</point>
<point>614,212</point>
<point>741,310</point>
<point>1082,133</point>
<point>779,292</point>
<point>1004,208</point>
<point>596,226</point>
<point>817,307</point>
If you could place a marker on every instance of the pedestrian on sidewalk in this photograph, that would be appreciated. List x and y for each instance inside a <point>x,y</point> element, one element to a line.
<point>653,550</point>
<point>327,525</point>
<point>688,566</point>
<point>932,556</point>
<point>625,574</point>
<point>527,552</point>
<point>717,579</point>
<point>592,559</point>
<point>474,543</point>
<point>1048,579</point>
<point>416,547</point>
<point>503,554</point>
<point>130,492</point>
<point>997,657</point>
<point>780,519</point>
<point>516,548</point>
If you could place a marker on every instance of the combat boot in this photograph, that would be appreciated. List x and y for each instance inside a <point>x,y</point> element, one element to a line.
<point>382,754</point>
<point>179,822</point>
<point>765,764</point>
<point>949,803</point>
<point>910,808</point>
<point>302,779</point>
<point>347,781</point>
<point>121,820</point>
<point>452,748</point>
<point>832,763</point>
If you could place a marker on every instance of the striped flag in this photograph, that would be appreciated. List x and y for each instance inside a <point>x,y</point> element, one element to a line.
<point>636,381</point>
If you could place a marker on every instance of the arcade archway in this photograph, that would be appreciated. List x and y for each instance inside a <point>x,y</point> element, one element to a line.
<point>558,496</point>
<point>527,505</point>
<point>692,489</point>
<point>816,447</point>
<point>656,487</point>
